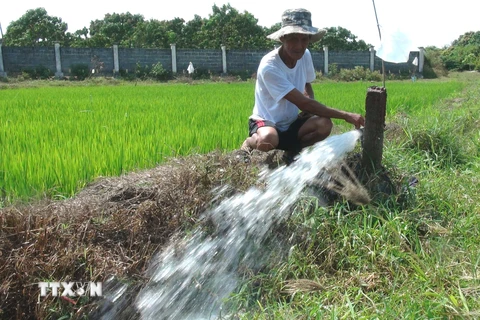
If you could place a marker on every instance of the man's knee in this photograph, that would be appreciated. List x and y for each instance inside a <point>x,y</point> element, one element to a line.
<point>321,127</point>
<point>314,130</point>
<point>325,127</point>
<point>267,139</point>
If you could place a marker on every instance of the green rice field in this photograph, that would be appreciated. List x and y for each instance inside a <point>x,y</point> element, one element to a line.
<point>55,140</point>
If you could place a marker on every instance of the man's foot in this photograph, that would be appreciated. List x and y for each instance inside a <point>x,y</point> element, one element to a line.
<point>290,156</point>
<point>244,153</point>
<point>245,147</point>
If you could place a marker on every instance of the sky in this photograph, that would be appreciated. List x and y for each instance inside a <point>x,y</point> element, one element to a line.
<point>408,23</point>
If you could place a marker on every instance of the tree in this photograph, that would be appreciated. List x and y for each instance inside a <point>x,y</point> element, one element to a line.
<point>79,39</point>
<point>338,38</point>
<point>175,33</point>
<point>433,66</point>
<point>270,44</point>
<point>192,33</point>
<point>470,60</point>
<point>36,28</point>
<point>464,53</point>
<point>114,29</point>
<point>151,34</point>
<point>226,26</point>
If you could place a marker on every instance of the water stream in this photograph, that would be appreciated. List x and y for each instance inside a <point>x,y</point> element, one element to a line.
<point>191,278</point>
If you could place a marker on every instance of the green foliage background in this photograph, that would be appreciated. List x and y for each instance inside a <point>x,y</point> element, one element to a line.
<point>224,26</point>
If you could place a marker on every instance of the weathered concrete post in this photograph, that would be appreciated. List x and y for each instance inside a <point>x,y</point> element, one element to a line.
<point>325,59</point>
<point>174,57</point>
<point>116,65</point>
<point>372,58</point>
<point>224,59</point>
<point>375,109</point>
<point>58,61</point>
<point>3,74</point>
<point>421,60</point>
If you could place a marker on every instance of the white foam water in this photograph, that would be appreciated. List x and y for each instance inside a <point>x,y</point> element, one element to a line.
<point>193,276</point>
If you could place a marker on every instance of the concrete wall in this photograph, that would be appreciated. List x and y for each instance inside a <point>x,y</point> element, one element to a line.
<point>208,59</point>
<point>129,57</point>
<point>244,60</point>
<point>398,68</point>
<point>349,59</point>
<point>89,56</point>
<point>16,59</point>
<point>318,58</point>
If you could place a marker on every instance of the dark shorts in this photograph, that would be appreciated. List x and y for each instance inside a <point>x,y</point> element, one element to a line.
<point>288,139</point>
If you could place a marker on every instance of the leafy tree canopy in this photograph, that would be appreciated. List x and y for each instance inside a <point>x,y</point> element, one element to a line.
<point>338,38</point>
<point>116,28</point>
<point>36,28</point>
<point>224,26</point>
<point>464,53</point>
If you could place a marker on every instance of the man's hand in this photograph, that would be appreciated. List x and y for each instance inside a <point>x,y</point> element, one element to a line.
<point>311,106</point>
<point>356,119</point>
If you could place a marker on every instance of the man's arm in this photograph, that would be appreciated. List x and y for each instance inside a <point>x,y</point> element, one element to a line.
<point>309,91</point>
<point>312,106</point>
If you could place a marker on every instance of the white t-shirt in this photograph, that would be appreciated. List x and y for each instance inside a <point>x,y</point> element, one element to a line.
<point>274,81</point>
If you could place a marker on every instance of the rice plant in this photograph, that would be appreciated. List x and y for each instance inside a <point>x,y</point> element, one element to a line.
<point>57,139</point>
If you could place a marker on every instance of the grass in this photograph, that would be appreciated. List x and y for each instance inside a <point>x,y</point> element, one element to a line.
<point>410,254</point>
<point>57,139</point>
<point>414,255</point>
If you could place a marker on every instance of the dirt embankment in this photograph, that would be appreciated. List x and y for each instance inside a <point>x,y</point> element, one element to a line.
<point>115,225</point>
<point>112,227</point>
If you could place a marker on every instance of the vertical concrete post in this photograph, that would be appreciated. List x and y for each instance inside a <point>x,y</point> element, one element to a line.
<point>224,59</point>
<point>421,59</point>
<point>325,63</point>
<point>372,58</point>
<point>174,57</point>
<point>3,74</point>
<point>58,61</point>
<point>116,66</point>
<point>375,110</point>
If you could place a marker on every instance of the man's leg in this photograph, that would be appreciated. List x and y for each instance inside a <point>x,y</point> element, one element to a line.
<point>265,139</point>
<point>315,129</point>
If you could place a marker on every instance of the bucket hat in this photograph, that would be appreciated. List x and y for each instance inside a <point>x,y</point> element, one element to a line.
<point>297,21</point>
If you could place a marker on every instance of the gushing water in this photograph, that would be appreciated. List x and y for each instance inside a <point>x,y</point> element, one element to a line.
<point>192,277</point>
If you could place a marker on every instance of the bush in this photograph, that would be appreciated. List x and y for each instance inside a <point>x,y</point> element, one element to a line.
<point>80,71</point>
<point>357,74</point>
<point>125,75</point>
<point>433,67</point>
<point>155,72</point>
<point>201,74</point>
<point>159,73</point>
<point>40,72</point>
<point>333,70</point>
<point>141,72</point>
<point>243,75</point>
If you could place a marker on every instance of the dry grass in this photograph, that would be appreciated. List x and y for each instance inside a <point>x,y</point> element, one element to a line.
<point>344,182</point>
<point>301,285</point>
<point>112,227</point>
